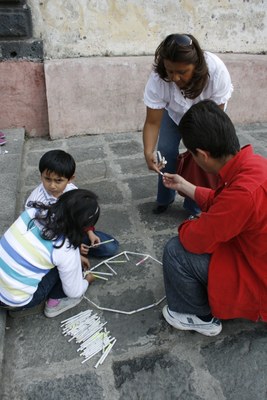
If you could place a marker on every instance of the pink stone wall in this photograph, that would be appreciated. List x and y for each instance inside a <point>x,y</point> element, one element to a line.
<point>96,95</point>
<point>100,95</point>
<point>249,75</point>
<point>105,94</point>
<point>23,97</point>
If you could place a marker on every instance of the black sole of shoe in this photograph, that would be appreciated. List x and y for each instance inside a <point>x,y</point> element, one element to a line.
<point>161,208</point>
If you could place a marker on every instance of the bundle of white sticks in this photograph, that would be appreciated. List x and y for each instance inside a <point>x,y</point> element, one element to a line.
<point>92,335</point>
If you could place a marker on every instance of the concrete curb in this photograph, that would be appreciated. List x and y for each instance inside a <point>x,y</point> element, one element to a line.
<point>10,166</point>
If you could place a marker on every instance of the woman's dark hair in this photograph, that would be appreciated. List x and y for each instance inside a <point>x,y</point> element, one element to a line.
<point>59,162</point>
<point>184,49</point>
<point>67,218</point>
<point>205,126</point>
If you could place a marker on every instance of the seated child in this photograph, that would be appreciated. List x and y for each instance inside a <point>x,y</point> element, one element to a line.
<point>57,169</point>
<point>40,257</point>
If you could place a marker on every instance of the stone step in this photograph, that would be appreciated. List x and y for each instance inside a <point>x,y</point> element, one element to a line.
<point>10,167</point>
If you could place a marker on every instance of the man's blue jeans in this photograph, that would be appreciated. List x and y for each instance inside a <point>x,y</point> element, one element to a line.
<point>168,145</point>
<point>185,279</point>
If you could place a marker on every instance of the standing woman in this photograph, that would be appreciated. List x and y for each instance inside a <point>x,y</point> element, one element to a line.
<point>40,257</point>
<point>183,75</point>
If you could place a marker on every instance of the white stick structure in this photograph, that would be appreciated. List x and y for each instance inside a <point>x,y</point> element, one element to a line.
<point>111,269</point>
<point>103,262</point>
<point>100,277</point>
<point>143,260</point>
<point>125,312</point>
<point>102,273</point>
<point>114,260</point>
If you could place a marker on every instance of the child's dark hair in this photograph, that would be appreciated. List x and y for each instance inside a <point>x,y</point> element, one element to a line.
<point>67,218</point>
<point>183,48</point>
<point>59,162</point>
<point>207,127</point>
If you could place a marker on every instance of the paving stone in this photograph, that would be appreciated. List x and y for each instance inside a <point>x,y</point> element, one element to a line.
<point>127,148</point>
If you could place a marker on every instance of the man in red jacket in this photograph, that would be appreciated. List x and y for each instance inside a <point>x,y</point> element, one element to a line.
<point>217,265</point>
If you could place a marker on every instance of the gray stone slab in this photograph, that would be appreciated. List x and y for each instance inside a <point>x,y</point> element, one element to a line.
<point>143,188</point>
<point>115,221</point>
<point>75,386</point>
<point>108,192</point>
<point>134,166</point>
<point>123,136</point>
<point>91,172</point>
<point>15,22</point>
<point>127,148</point>
<point>244,348</point>
<point>173,216</point>
<point>44,144</point>
<point>33,179</point>
<point>85,141</point>
<point>85,153</point>
<point>2,340</point>
<point>10,165</point>
<point>80,154</point>
<point>157,376</point>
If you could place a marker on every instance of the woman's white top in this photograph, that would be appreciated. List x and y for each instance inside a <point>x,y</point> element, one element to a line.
<point>160,94</point>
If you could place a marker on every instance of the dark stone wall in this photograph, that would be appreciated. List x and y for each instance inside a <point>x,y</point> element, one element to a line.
<point>16,41</point>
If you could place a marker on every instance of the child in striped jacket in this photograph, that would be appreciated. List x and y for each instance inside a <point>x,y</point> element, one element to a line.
<point>40,256</point>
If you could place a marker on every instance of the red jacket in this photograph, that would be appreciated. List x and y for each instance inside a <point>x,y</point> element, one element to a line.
<point>233,229</point>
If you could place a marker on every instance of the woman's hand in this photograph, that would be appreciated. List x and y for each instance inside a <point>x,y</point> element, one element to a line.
<point>150,136</point>
<point>151,160</point>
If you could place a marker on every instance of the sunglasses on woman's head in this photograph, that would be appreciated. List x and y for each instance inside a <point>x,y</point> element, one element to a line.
<point>180,40</point>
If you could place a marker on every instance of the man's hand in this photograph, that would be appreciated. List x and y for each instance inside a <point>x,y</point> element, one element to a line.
<point>177,182</point>
<point>173,181</point>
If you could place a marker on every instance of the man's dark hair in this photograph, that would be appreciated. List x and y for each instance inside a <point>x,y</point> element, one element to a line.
<point>205,126</point>
<point>59,162</point>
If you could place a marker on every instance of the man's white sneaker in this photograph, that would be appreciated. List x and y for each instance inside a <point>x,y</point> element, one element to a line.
<point>190,322</point>
<point>52,310</point>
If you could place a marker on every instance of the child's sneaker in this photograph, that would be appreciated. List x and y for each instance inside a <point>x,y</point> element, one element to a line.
<point>54,307</point>
<point>190,322</point>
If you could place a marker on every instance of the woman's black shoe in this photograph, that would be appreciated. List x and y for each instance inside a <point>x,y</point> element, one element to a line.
<point>161,208</point>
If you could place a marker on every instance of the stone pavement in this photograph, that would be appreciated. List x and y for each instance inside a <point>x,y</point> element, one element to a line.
<point>150,359</point>
<point>10,166</point>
